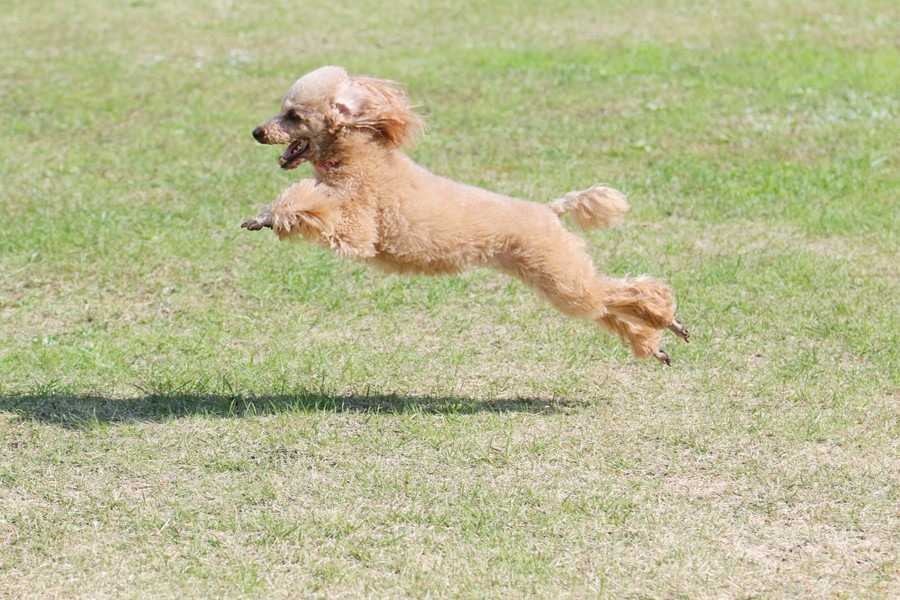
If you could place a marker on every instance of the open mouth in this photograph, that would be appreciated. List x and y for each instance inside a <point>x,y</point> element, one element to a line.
<point>294,156</point>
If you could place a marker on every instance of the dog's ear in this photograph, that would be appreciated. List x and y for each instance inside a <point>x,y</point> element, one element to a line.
<point>350,101</point>
<point>379,105</point>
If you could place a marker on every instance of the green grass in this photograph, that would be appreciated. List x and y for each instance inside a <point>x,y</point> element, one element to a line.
<point>191,410</point>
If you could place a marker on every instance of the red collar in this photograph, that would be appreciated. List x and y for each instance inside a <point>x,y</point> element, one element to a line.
<point>325,166</point>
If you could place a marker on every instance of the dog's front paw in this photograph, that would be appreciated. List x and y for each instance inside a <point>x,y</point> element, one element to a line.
<point>263,219</point>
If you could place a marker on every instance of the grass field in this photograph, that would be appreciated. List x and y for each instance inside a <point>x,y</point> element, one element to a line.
<point>192,410</point>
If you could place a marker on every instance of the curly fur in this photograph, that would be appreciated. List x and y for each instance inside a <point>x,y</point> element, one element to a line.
<point>370,202</point>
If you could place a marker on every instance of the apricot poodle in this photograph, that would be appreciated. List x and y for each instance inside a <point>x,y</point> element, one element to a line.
<point>370,202</point>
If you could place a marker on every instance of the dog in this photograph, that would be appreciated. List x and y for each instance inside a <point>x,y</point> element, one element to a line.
<point>369,201</point>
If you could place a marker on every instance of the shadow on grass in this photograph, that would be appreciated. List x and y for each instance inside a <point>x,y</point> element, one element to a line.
<point>85,411</point>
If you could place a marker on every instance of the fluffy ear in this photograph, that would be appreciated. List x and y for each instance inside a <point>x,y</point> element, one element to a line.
<point>379,105</point>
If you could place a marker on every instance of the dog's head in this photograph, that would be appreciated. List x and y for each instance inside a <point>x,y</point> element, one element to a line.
<point>322,104</point>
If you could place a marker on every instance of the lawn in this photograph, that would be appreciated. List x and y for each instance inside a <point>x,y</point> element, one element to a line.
<point>192,410</point>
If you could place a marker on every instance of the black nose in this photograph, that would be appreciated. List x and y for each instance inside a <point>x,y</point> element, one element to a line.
<point>257,134</point>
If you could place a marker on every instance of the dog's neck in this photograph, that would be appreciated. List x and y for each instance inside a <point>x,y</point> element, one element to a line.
<point>351,155</point>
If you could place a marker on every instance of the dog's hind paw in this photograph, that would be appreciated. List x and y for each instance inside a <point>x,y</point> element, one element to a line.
<point>678,328</point>
<point>662,356</point>
<point>263,219</point>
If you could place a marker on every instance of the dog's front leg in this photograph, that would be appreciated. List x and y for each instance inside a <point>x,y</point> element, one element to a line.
<point>315,212</point>
<point>293,211</point>
<point>263,219</point>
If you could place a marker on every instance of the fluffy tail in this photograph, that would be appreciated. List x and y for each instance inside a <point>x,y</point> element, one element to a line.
<point>599,206</point>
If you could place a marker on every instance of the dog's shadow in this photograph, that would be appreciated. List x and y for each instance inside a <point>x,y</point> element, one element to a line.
<point>74,411</point>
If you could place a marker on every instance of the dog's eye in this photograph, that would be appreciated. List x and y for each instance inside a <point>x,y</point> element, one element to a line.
<point>294,117</point>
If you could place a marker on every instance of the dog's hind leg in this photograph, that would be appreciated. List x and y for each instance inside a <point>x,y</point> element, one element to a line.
<point>642,341</point>
<point>638,311</point>
<point>678,328</point>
